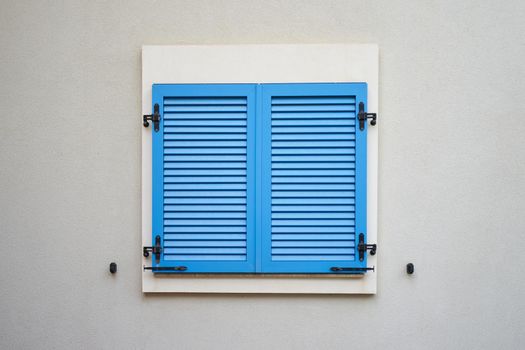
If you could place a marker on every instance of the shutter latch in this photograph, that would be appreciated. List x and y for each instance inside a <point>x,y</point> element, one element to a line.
<point>155,118</point>
<point>362,247</point>
<point>165,268</point>
<point>362,116</point>
<point>352,269</point>
<point>156,249</point>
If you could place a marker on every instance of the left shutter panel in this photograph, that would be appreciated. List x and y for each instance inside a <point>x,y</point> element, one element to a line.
<point>203,177</point>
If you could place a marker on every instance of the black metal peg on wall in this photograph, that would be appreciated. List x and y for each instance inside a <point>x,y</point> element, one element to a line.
<point>113,267</point>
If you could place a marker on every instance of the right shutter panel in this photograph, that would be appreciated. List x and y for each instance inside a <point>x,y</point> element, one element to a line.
<point>314,177</point>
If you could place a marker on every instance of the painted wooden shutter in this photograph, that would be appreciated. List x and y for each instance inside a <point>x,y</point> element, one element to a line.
<point>203,177</point>
<point>313,180</point>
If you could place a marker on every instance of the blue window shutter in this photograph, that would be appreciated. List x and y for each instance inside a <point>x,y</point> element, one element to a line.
<point>313,177</point>
<point>204,177</point>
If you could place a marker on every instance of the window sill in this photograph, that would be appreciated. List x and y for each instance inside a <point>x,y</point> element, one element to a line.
<point>252,284</point>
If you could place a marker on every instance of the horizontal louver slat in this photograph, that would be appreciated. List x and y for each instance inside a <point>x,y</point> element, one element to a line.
<point>214,101</point>
<point>205,137</point>
<point>204,108</point>
<point>313,122</point>
<point>208,243</point>
<point>204,215</point>
<point>192,201</point>
<point>312,100</point>
<point>313,229</point>
<point>309,136</point>
<point>217,129</point>
<point>347,158</point>
<point>203,151</point>
<point>224,257</point>
<point>312,151</point>
<point>206,172</point>
<point>316,243</point>
<point>313,215</point>
<point>207,229</point>
<point>312,208</point>
<point>196,236</point>
<point>311,144</point>
<point>205,208</point>
<point>305,238</point>
<point>197,145</point>
<point>313,201</point>
<point>313,108</point>
<point>205,116</point>
<point>314,180</point>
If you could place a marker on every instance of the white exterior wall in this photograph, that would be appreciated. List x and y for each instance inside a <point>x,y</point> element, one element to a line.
<point>451,177</point>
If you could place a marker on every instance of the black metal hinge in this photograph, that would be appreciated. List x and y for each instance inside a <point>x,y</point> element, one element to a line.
<point>362,247</point>
<point>362,116</point>
<point>156,249</point>
<point>155,118</point>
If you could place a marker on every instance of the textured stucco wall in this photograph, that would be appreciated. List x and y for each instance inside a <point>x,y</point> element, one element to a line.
<point>452,177</point>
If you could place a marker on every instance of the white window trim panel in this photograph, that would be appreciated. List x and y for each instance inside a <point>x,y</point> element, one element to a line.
<point>261,64</point>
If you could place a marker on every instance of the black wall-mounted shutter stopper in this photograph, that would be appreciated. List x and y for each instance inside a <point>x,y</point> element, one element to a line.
<point>113,267</point>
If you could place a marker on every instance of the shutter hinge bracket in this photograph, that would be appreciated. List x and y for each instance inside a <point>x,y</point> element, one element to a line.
<point>362,116</point>
<point>156,249</point>
<point>155,118</point>
<point>362,247</point>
